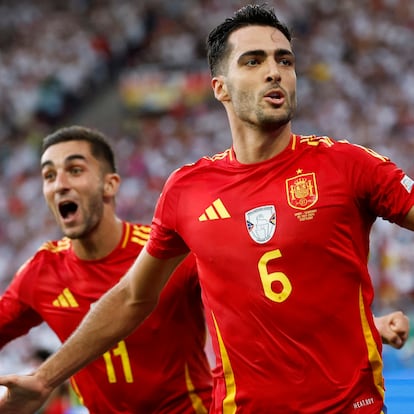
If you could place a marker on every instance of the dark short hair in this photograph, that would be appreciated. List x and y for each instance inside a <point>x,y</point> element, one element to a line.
<point>250,15</point>
<point>100,147</point>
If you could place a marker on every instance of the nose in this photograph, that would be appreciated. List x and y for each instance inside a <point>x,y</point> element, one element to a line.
<point>273,73</point>
<point>61,183</point>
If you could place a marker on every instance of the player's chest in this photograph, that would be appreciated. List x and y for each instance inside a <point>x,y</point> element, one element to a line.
<point>70,287</point>
<point>259,208</point>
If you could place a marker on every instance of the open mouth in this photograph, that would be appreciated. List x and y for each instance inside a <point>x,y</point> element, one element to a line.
<point>67,209</point>
<point>275,95</point>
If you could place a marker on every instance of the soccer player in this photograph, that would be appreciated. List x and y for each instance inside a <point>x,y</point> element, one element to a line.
<point>65,277</point>
<point>279,225</point>
<point>161,367</point>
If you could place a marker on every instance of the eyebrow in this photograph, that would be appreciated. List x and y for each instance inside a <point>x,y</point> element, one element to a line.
<point>68,159</point>
<point>262,53</point>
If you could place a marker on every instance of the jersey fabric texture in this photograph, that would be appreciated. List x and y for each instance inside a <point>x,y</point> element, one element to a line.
<point>281,247</point>
<point>160,368</point>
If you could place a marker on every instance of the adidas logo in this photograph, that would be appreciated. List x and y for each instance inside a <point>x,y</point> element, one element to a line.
<point>215,211</point>
<point>65,300</point>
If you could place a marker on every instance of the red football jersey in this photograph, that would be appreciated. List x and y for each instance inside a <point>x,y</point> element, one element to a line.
<point>282,249</point>
<point>160,368</point>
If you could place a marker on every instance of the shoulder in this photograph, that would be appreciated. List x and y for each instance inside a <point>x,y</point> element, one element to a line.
<point>49,251</point>
<point>341,147</point>
<point>200,166</point>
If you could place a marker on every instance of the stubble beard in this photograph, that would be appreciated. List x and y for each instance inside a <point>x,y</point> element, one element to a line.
<point>271,120</point>
<point>92,217</point>
<point>266,118</point>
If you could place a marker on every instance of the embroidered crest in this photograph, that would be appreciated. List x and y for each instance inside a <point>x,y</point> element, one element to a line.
<point>261,223</point>
<point>302,191</point>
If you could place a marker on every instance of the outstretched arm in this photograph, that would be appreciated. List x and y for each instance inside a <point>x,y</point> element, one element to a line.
<point>394,328</point>
<point>114,316</point>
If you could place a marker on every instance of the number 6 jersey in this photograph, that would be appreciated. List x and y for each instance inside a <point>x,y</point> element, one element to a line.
<point>282,249</point>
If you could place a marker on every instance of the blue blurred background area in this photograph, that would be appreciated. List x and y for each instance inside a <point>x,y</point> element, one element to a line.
<point>137,70</point>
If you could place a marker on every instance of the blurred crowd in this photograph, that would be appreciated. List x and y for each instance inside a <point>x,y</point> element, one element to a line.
<point>355,65</point>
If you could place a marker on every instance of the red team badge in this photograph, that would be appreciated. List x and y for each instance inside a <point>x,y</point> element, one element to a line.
<point>302,191</point>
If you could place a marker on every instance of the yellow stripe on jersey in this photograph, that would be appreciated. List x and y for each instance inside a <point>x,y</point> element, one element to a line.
<point>63,244</point>
<point>373,354</point>
<point>66,300</point>
<point>294,141</point>
<point>218,204</point>
<point>314,140</point>
<point>229,402</point>
<point>140,234</point>
<point>220,156</point>
<point>211,213</point>
<point>196,401</point>
<point>126,236</point>
<point>136,233</point>
<point>372,152</point>
<point>77,394</point>
<point>53,247</point>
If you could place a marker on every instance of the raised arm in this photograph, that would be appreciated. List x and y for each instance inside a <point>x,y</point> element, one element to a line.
<point>394,328</point>
<point>113,317</point>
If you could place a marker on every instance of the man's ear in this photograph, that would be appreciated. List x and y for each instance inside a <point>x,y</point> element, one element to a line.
<point>220,88</point>
<point>111,185</point>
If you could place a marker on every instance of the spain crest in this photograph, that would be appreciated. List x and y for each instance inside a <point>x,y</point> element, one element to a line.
<point>302,191</point>
<point>261,223</point>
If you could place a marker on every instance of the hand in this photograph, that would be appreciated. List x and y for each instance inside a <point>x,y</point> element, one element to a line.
<point>394,328</point>
<point>25,394</point>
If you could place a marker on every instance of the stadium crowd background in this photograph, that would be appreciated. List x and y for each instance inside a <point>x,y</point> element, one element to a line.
<point>141,65</point>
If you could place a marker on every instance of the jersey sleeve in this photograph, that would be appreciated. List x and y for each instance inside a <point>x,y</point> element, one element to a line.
<point>381,184</point>
<point>16,316</point>
<point>164,241</point>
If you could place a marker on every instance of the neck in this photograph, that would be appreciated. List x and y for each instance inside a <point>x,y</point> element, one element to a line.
<point>252,145</point>
<point>101,241</point>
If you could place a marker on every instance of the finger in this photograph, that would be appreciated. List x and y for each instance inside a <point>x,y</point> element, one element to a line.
<point>397,342</point>
<point>400,327</point>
